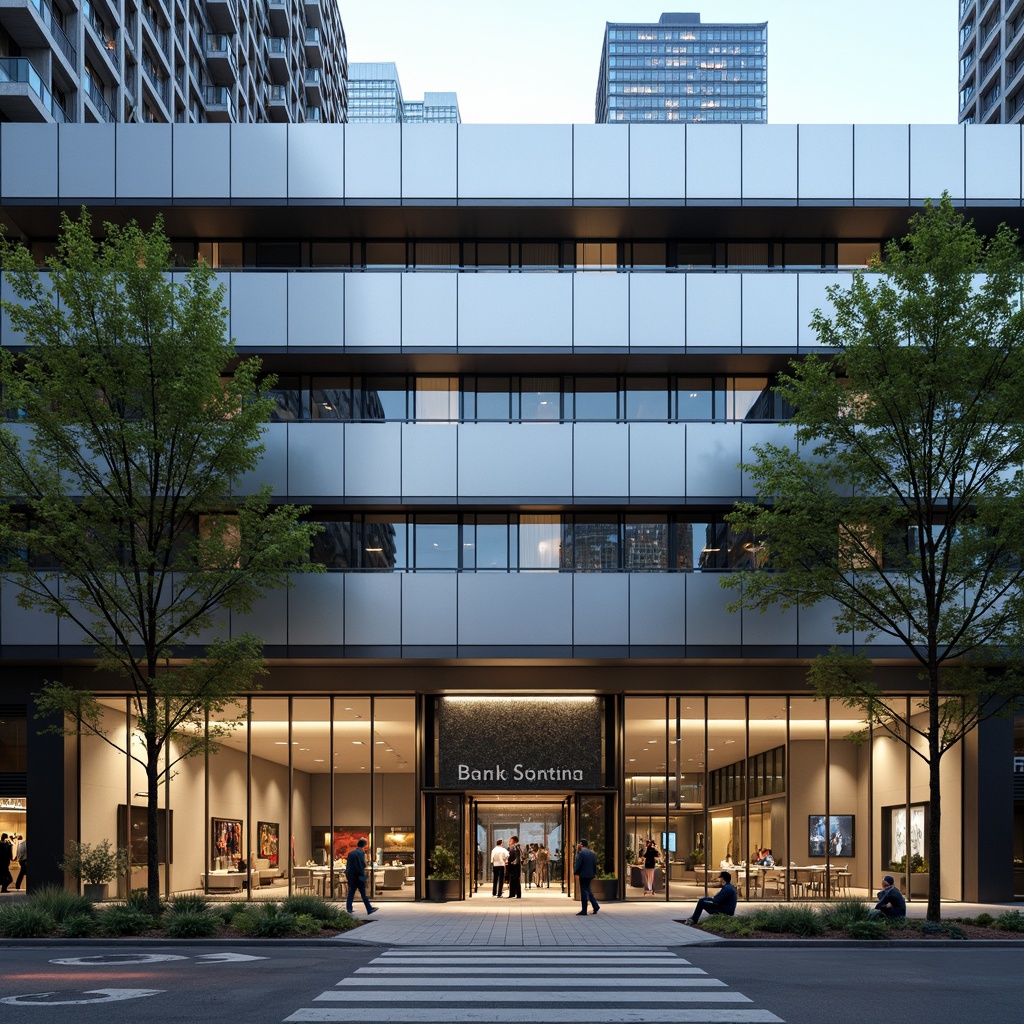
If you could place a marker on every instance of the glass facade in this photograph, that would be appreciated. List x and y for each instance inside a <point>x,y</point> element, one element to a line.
<point>681,71</point>
<point>375,97</point>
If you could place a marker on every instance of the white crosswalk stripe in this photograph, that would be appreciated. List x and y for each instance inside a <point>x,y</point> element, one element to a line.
<point>553,986</point>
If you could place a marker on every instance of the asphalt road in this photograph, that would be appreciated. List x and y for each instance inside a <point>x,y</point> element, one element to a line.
<point>276,983</point>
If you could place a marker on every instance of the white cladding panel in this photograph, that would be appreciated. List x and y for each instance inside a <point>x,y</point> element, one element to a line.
<point>771,627</point>
<point>316,610</point>
<point>993,161</point>
<point>936,161</point>
<point>373,161</point>
<point>542,603</point>
<point>769,311</point>
<point>515,310</point>
<point>373,460</point>
<point>657,310</point>
<point>600,463</point>
<point>657,161</point>
<point>769,161</point>
<point>273,465</point>
<point>429,607</point>
<point>316,161</point>
<point>429,459</point>
<point>373,609</point>
<point>600,310</point>
<point>85,162</point>
<point>600,156</point>
<point>713,305</point>
<point>259,309</point>
<point>316,310</point>
<point>430,310</point>
<point>202,161</point>
<point>813,294</point>
<point>657,459</point>
<point>825,166</point>
<point>316,459</point>
<point>520,460</point>
<point>268,619</point>
<point>881,162</point>
<point>713,161</point>
<point>430,167</point>
<point>817,627</point>
<point>657,609</point>
<point>600,608</point>
<point>708,624</point>
<point>24,626</point>
<point>373,309</point>
<point>28,160</point>
<point>712,460</point>
<point>515,161</point>
<point>144,160</point>
<point>781,434</point>
<point>259,161</point>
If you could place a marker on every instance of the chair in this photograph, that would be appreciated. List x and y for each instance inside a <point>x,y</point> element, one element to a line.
<point>303,880</point>
<point>841,880</point>
<point>267,874</point>
<point>774,880</point>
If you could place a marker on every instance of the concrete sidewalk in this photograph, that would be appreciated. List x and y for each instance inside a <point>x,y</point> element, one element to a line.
<point>552,921</point>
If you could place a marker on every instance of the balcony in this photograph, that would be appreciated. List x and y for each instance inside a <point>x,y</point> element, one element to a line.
<point>277,11</point>
<point>312,83</point>
<point>222,16</point>
<point>220,58</point>
<point>31,103</point>
<point>277,57</point>
<point>314,16</point>
<point>279,107</point>
<point>217,100</point>
<point>314,114</point>
<point>314,48</point>
<point>29,21</point>
<point>157,31</point>
<point>95,93</point>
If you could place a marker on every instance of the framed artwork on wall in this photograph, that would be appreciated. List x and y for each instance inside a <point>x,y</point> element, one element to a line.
<point>226,842</point>
<point>898,835</point>
<point>268,841</point>
<point>832,835</point>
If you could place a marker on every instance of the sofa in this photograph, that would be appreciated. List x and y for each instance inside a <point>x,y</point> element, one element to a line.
<point>268,875</point>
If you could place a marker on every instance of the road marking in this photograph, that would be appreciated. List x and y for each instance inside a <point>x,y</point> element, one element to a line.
<point>107,995</point>
<point>316,1015</point>
<point>538,971</point>
<point>532,982</point>
<point>119,959</point>
<point>552,996</point>
<point>229,958</point>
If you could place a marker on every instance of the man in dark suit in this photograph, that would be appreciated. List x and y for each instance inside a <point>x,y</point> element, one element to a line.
<point>514,869</point>
<point>355,875</point>
<point>723,902</point>
<point>585,868</point>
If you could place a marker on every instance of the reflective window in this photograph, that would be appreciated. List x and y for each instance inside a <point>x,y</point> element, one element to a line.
<point>540,542</point>
<point>646,398</point>
<point>595,398</point>
<point>436,542</point>
<point>540,398</point>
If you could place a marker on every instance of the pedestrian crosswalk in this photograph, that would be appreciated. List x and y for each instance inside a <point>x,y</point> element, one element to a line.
<point>549,986</point>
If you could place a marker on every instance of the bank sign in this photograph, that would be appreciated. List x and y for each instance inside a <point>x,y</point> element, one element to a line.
<point>520,743</point>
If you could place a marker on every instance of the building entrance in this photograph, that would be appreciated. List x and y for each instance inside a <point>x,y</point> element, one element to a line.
<point>541,821</point>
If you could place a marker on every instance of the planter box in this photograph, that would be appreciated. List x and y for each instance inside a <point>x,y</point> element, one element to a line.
<point>918,884</point>
<point>605,889</point>
<point>441,890</point>
<point>95,891</point>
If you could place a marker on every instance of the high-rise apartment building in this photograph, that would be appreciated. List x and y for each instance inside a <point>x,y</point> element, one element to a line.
<point>680,70</point>
<point>517,369</point>
<point>991,61</point>
<point>172,61</point>
<point>375,97</point>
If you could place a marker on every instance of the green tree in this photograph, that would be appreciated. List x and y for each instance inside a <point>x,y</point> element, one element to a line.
<point>122,509</point>
<point>901,502</point>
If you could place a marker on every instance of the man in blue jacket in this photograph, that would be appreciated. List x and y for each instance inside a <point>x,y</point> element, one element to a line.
<point>723,902</point>
<point>355,875</point>
<point>585,867</point>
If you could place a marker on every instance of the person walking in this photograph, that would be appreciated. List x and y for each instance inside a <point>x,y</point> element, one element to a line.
<point>650,866</point>
<point>21,856</point>
<point>6,856</point>
<point>723,902</point>
<point>499,858</point>
<point>543,876</point>
<point>515,869</point>
<point>531,864</point>
<point>355,875</point>
<point>585,869</point>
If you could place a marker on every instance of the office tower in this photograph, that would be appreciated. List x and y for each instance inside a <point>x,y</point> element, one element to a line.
<point>517,368</point>
<point>172,61</point>
<point>991,61</point>
<point>680,70</point>
<point>375,97</point>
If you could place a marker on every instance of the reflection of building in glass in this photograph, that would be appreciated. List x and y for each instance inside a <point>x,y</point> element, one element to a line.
<point>375,96</point>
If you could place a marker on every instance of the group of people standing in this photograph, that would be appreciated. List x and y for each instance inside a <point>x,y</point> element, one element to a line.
<point>12,848</point>
<point>508,864</point>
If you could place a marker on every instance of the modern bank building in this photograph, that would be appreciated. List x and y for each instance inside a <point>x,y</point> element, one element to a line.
<point>518,367</point>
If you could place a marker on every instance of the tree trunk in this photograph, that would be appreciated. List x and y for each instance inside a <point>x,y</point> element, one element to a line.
<point>934,803</point>
<point>152,808</point>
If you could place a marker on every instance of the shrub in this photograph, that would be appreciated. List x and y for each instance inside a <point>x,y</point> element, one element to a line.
<point>982,921</point>
<point>720,924</point>
<point>306,924</point>
<point>267,922</point>
<point>190,924</point>
<point>79,926</point>
<point>138,899</point>
<point>866,930</point>
<point>189,903</point>
<point>124,920</point>
<point>97,864</point>
<point>226,912</point>
<point>61,904</point>
<point>788,920</point>
<point>1010,921</point>
<point>840,915</point>
<point>26,921</point>
<point>314,906</point>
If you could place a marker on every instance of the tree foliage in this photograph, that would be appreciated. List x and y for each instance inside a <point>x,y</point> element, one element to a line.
<point>127,510</point>
<point>901,501</point>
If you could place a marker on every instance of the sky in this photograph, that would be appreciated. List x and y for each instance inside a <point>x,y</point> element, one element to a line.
<point>535,61</point>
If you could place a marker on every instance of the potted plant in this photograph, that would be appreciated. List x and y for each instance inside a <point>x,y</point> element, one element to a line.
<point>605,886</point>
<point>444,880</point>
<point>95,866</point>
<point>916,883</point>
